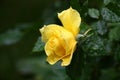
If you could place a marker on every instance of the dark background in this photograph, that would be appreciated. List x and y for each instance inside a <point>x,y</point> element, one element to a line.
<point>20,21</point>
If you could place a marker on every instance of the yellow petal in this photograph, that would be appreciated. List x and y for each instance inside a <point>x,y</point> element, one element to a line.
<point>54,50</point>
<point>60,43</point>
<point>67,59</point>
<point>49,31</point>
<point>55,30</point>
<point>71,20</point>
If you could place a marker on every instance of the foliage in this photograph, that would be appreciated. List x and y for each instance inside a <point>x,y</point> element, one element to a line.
<point>97,56</point>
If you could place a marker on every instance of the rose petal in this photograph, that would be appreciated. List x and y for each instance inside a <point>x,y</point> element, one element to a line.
<point>54,50</point>
<point>60,43</point>
<point>49,31</point>
<point>67,59</point>
<point>71,20</point>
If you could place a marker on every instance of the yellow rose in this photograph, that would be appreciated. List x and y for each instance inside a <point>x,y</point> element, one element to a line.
<point>61,41</point>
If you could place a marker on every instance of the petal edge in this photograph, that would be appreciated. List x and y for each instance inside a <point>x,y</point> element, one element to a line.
<point>71,20</point>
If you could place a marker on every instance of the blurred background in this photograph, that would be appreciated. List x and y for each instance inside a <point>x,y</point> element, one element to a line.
<point>20,21</point>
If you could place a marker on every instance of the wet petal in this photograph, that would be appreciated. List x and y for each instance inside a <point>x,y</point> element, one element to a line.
<point>54,50</point>
<point>71,20</point>
<point>67,59</point>
<point>50,30</point>
<point>59,43</point>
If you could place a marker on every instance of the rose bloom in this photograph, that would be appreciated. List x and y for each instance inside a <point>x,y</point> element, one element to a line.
<point>61,40</point>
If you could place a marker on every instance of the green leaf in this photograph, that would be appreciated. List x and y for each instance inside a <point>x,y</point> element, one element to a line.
<point>84,27</point>
<point>10,37</point>
<point>39,46</point>
<point>100,27</point>
<point>114,6</point>
<point>94,13</point>
<point>114,33</point>
<point>106,2</point>
<point>94,46</point>
<point>109,16</point>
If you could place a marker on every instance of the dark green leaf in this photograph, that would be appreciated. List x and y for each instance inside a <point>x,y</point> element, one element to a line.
<point>114,6</point>
<point>106,2</point>
<point>39,46</point>
<point>109,16</point>
<point>84,27</point>
<point>100,27</point>
<point>94,13</point>
<point>94,46</point>
<point>114,33</point>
